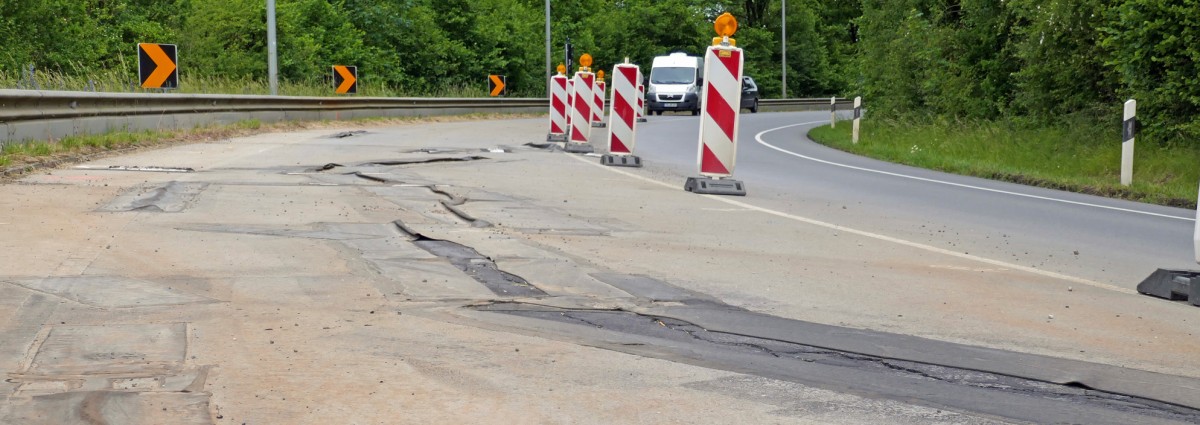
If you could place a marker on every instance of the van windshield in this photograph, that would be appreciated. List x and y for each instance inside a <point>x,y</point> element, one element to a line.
<point>672,75</point>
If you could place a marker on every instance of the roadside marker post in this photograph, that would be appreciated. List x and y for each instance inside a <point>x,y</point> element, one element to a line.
<point>622,133</point>
<point>857,118</point>
<point>581,108</point>
<point>598,106</point>
<point>641,106</point>
<point>833,112</point>
<point>719,121</point>
<point>1128,133</point>
<point>558,106</point>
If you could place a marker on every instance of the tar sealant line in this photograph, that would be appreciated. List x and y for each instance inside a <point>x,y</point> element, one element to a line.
<point>758,137</point>
<point>877,236</point>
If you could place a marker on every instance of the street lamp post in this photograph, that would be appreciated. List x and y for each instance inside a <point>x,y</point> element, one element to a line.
<point>783,41</point>
<point>272,53</point>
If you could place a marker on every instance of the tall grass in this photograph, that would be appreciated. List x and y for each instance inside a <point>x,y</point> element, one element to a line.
<point>1081,154</point>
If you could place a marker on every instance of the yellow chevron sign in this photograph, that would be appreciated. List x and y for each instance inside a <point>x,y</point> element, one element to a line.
<point>345,78</point>
<point>156,66</point>
<point>497,85</point>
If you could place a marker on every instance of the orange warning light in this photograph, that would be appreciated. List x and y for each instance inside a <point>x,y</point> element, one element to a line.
<point>562,69</point>
<point>600,75</point>
<point>725,25</point>
<point>585,60</point>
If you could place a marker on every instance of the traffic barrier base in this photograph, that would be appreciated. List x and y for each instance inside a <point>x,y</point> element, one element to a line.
<point>711,186</point>
<point>1174,285</point>
<point>579,148</point>
<point>621,160</point>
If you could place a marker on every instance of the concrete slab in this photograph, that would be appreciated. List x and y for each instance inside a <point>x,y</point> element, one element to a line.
<point>115,348</point>
<point>111,291</point>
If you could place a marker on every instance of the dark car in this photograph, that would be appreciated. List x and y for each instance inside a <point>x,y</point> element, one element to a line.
<point>749,94</point>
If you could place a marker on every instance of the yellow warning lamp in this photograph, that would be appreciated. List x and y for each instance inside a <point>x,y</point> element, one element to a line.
<point>562,69</point>
<point>600,75</point>
<point>585,63</point>
<point>725,26</point>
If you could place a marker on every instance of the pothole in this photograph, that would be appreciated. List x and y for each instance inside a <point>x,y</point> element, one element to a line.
<point>346,134</point>
<point>479,267</point>
<point>170,197</point>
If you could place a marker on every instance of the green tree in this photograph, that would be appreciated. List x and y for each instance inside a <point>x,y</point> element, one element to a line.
<point>1158,58</point>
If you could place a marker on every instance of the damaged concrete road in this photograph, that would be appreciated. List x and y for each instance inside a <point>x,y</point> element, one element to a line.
<point>423,274</point>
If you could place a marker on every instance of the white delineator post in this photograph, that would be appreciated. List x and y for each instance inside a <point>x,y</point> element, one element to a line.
<point>1196,236</point>
<point>622,122</point>
<point>598,106</point>
<point>558,108</point>
<point>833,112</point>
<point>1128,133</point>
<point>581,113</point>
<point>722,91</point>
<point>857,117</point>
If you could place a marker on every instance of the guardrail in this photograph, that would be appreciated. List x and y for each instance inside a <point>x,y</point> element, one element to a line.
<point>805,103</point>
<point>49,115</point>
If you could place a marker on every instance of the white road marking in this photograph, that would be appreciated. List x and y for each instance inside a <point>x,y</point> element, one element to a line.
<point>758,138</point>
<point>885,238</point>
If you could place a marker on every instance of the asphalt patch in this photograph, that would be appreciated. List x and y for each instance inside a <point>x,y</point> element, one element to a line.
<point>932,384</point>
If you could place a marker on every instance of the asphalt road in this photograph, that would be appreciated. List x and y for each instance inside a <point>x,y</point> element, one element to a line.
<point>1099,239</point>
<point>448,273</point>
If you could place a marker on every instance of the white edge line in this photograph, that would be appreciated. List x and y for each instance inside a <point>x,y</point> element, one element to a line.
<point>758,138</point>
<point>864,233</point>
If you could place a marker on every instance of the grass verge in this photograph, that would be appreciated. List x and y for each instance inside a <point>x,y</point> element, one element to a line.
<point>17,159</point>
<point>1079,156</point>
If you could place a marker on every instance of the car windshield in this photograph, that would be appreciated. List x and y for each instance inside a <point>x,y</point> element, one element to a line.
<point>672,75</point>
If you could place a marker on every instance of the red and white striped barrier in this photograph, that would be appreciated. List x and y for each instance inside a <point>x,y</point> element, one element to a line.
<point>641,106</point>
<point>622,122</point>
<point>581,113</point>
<point>570,101</point>
<point>598,106</point>
<point>558,108</point>
<point>721,96</point>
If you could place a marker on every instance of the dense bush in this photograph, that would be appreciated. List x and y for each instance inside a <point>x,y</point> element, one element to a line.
<point>1027,61</point>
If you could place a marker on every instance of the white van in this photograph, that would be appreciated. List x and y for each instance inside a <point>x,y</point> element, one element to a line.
<point>674,84</point>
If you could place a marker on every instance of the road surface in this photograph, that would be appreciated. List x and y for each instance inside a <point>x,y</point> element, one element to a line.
<point>447,272</point>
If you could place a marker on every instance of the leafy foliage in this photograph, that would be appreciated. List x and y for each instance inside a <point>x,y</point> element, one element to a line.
<point>1038,62</point>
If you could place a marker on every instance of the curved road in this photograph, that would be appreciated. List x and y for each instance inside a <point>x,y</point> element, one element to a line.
<point>1099,239</point>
